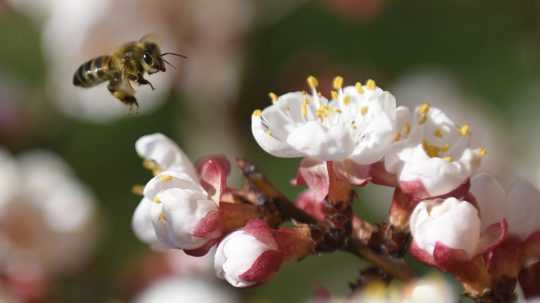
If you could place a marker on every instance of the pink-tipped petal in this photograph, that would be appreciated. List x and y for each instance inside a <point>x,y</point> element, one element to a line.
<point>379,175</point>
<point>210,226</point>
<point>354,173</point>
<point>203,250</point>
<point>307,202</point>
<point>260,230</point>
<point>492,236</point>
<point>213,172</point>
<point>421,254</point>
<point>314,173</point>
<point>447,258</point>
<point>264,267</point>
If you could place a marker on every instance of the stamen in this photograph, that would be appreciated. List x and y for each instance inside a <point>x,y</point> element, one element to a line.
<point>397,137</point>
<point>323,111</point>
<point>448,158</point>
<point>156,200</point>
<point>438,133</point>
<point>346,100</point>
<point>464,130</point>
<point>359,88</point>
<point>162,218</point>
<point>152,166</point>
<point>334,95</point>
<point>482,151</point>
<point>337,83</point>
<point>407,128</point>
<point>434,150</point>
<point>257,113</point>
<point>137,189</point>
<point>304,108</point>
<point>424,108</point>
<point>312,82</point>
<point>370,83</point>
<point>273,97</point>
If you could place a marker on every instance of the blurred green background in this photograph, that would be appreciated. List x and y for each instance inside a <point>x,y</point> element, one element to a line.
<point>491,49</point>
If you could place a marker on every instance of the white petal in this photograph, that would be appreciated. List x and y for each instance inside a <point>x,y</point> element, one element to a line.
<point>177,214</point>
<point>142,223</point>
<point>523,217</point>
<point>270,144</point>
<point>171,179</point>
<point>164,152</point>
<point>491,199</point>
<point>321,142</point>
<point>184,289</point>
<point>235,255</point>
<point>452,222</point>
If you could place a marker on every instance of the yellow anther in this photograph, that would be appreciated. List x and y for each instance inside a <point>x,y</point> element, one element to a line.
<point>371,84</point>
<point>482,151</point>
<point>257,113</point>
<point>152,166</point>
<point>464,130</point>
<point>312,82</point>
<point>273,97</point>
<point>304,108</point>
<point>137,189</point>
<point>448,158</point>
<point>424,108</point>
<point>165,178</point>
<point>438,133</point>
<point>359,88</point>
<point>353,124</point>
<point>346,100</point>
<point>364,110</point>
<point>162,218</point>
<point>323,111</point>
<point>334,95</point>
<point>156,199</point>
<point>397,137</point>
<point>337,83</point>
<point>434,150</point>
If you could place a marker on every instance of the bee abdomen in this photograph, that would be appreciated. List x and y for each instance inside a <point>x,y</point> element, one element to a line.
<point>92,72</point>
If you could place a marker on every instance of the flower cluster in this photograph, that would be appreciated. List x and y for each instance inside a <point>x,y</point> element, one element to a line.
<point>192,208</point>
<point>460,221</point>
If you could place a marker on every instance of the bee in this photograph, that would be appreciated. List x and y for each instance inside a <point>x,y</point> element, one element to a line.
<point>129,63</point>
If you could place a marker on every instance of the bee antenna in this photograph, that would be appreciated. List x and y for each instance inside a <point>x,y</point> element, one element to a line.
<point>174,54</point>
<point>168,63</point>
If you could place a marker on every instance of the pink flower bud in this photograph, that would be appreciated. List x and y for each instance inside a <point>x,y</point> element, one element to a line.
<point>248,256</point>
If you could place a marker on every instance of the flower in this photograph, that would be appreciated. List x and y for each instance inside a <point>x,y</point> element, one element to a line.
<point>251,255</point>
<point>357,123</point>
<point>180,207</point>
<point>47,221</point>
<point>341,136</point>
<point>500,225</point>
<point>432,154</point>
<point>184,289</point>
<point>248,256</point>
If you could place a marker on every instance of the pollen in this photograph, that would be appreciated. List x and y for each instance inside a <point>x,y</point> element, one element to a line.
<point>407,129</point>
<point>156,200</point>
<point>364,110</point>
<point>371,84</point>
<point>165,178</point>
<point>464,130</point>
<point>257,113</point>
<point>448,158</point>
<point>334,95</point>
<point>337,83</point>
<point>359,88</point>
<point>312,82</point>
<point>397,137</point>
<point>162,218</point>
<point>433,150</point>
<point>273,97</point>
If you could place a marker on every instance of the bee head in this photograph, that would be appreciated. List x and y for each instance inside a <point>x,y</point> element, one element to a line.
<point>151,59</point>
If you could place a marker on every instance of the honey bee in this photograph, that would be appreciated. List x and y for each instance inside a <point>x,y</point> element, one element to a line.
<point>129,63</point>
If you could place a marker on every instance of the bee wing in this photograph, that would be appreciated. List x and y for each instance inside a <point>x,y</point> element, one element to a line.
<point>152,37</point>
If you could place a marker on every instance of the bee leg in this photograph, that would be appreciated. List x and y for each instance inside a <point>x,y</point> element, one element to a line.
<point>122,95</point>
<point>143,81</point>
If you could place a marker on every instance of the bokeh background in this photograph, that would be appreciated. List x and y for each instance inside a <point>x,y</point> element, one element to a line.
<point>477,60</point>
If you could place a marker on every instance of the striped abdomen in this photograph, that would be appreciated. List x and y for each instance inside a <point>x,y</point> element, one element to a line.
<point>93,72</point>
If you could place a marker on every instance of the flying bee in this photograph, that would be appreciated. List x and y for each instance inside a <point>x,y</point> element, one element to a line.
<point>129,63</point>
